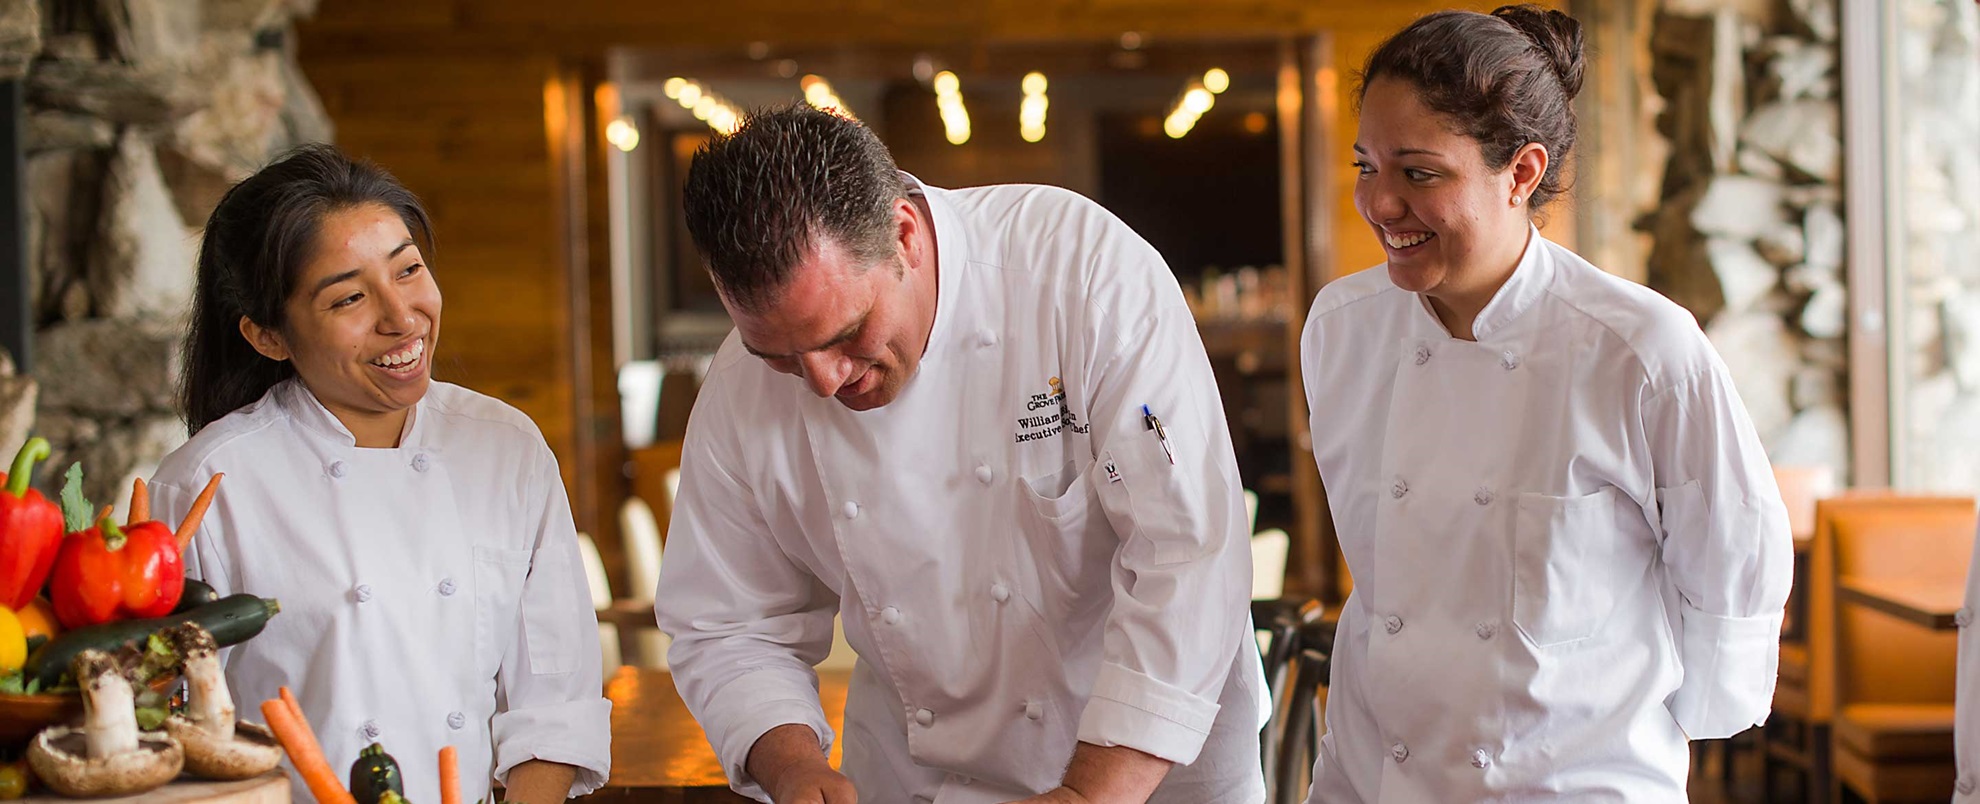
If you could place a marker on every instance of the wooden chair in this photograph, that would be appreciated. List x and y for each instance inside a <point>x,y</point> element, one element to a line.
<point>1797,732</point>
<point>1889,684</point>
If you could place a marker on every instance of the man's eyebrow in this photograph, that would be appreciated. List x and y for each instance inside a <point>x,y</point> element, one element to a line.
<point>843,336</point>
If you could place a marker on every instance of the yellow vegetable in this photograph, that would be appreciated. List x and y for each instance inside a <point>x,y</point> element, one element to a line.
<point>38,618</point>
<point>13,641</point>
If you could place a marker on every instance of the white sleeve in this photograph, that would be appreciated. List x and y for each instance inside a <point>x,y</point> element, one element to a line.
<point>1726,547</point>
<point>1182,576</point>
<point>748,623</point>
<point>549,701</point>
<point>1966,706</point>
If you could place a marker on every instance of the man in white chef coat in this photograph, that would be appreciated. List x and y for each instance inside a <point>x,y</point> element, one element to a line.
<point>980,426</point>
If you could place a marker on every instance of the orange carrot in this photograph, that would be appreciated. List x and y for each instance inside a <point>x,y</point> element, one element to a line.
<point>191,522</point>
<point>289,700</point>
<point>450,776</point>
<point>305,754</point>
<point>140,503</point>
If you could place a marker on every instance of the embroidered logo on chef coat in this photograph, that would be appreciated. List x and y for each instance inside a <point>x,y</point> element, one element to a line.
<point>1113,474</point>
<point>1046,414</point>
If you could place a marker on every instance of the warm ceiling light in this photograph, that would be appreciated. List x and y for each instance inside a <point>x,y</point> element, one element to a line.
<point>818,92</point>
<point>1031,111</point>
<point>690,94</point>
<point>1198,100</point>
<point>1216,80</point>
<point>622,133</point>
<point>1195,100</point>
<point>949,101</point>
<point>673,87</point>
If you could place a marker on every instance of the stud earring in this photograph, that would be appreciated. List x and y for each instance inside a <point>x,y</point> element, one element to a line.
<point>1516,200</point>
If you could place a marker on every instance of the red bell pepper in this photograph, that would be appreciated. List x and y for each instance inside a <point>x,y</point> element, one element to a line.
<point>30,530</point>
<point>107,573</point>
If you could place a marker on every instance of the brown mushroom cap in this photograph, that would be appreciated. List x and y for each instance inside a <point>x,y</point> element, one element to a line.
<point>60,758</point>
<point>252,751</point>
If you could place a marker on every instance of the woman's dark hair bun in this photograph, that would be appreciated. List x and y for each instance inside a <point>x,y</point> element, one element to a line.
<point>1556,34</point>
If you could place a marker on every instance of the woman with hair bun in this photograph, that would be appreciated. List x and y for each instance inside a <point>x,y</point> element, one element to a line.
<point>1568,550</point>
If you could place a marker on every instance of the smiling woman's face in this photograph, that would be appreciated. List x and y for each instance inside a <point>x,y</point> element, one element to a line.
<point>1444,217</point>
<point>363,320</point>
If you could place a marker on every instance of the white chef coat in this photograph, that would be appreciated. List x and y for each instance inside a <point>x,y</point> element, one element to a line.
<point>1966,709</point>
<point>1567,545</point>
<point>1018,564</point>
<point>431,595</point>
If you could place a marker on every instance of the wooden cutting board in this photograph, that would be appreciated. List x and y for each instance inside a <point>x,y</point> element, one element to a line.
<point>271,788</point>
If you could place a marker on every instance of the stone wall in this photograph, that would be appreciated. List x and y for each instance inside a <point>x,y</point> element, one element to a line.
<point>1937,232</point>
<point>140,113</point>
<point>1748,233</point>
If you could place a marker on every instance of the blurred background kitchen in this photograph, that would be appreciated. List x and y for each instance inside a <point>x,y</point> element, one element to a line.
<point>1803,175</point>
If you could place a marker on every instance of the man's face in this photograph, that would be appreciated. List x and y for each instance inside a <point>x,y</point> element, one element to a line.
<point>852,332</point>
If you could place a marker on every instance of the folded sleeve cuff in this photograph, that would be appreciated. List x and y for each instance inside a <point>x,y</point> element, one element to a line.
<point>764,701</point>
<point>576,733</point>
<point>1730,665</point>
<point>1131,709</point>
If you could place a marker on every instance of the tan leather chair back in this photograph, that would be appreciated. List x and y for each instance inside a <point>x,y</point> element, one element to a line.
<point>1873,657</point>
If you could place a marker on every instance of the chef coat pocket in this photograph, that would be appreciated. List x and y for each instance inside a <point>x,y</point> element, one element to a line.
<point>549,597</point>
<point>499,575</point>
<point>1166,520</point>
<point>1057,523</point>
<point>1571,564</point>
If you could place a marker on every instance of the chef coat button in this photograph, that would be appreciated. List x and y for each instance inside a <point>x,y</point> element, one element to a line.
<point>1394,624</point>
<point>1034,710</point>
<point>1399,489</point>
<point>986,338</point>
<point>1965,785</point>
<point>1480,759</point>
<point>924,717</point>
<point>337,469</point>
<point>1486,630</point>
<point>362,592</point>
<point>369,731</point>
<point>1422,355</point>
<point>447,587</point>
<point>420,462</point>
<point>456,721</point>
<point>1963,617</point>
<point>984,475</point>
<point>1399,752</point>
<point>1509,360</point>
<point>1000,592</point>
<point>851,510</point>
<point>891,615</point>
<point>1483,496</point>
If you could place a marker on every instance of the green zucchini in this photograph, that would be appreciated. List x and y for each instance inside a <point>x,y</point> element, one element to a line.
<point>374,774</point>
<point>232,620</point>
<point>197,594</point>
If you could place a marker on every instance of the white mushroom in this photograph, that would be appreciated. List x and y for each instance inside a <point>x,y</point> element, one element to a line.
<point>108,755</point>
<point>216,746</point>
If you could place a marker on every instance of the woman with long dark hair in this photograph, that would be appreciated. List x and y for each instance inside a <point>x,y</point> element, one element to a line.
<point>1568,550</point>
<point>416,532</point>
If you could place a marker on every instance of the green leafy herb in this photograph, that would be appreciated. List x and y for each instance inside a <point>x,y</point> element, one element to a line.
<point>76,510</point>
<point>11,683</point>
<point>149,718</point>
